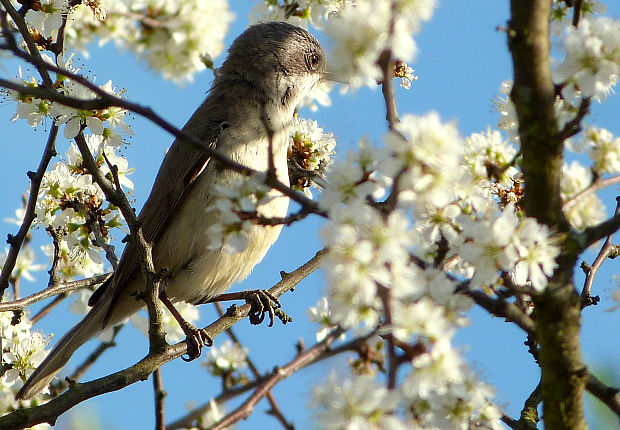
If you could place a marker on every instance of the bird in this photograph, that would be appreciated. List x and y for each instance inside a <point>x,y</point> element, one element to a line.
<point>270,68</point>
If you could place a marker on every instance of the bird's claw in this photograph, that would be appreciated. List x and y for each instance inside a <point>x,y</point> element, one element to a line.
<point>261,302</point>
<point>196,339</point>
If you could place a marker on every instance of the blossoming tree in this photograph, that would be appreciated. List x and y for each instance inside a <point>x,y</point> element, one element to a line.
<point>418,227</point>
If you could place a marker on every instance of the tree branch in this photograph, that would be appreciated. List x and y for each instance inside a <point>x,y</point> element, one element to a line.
<point>281,373</point>
<point>605,251</point>
<point>78,392</point>
<point>595,186</point>
<point>16,241</point>
<point>275,409</point>
<point>557,311</point>
<point>606,394</point>
<point>595,233</point>
<point>160,396</point>
<point>63,288</point>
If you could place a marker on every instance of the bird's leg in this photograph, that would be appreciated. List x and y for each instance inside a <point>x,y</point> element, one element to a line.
<point>196,338</point>
<point>261,301</point>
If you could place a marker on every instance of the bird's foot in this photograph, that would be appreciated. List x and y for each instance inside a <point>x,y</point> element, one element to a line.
<point>261,302</point>
<point>196,339</point>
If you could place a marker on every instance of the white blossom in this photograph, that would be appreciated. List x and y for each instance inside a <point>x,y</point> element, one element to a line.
<point>356,178</point>
<point>592,59</point>
<point>24,265</point>
<point>48,18</point>
<point>360,32</point>
<point>313,12</point>
<point>233,210</point>
<point>310,148</point>
<point>178,39</point>
<point>355,403</point>
<point>429,155</point>
<point>537,253</point>
<point>487,154</point>
<point>22,350</point>
<point>227,357</point>
<point>588,209</point>
<point>604,150</point>
<point>212,415</point>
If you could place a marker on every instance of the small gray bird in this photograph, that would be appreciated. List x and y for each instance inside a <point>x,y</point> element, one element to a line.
<point>270,68</point>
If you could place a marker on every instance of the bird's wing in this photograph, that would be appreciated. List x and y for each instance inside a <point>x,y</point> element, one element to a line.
<point>181,166</point>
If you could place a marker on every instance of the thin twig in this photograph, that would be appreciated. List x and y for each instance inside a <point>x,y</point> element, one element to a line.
<point>275,409</point>
<point>187,421</point>
<point>48,308</point>
<point>281,373</point>
<point>593,234</point>
<point>55,234</point>
<point>595,186</point>
<point>606,249</point>
<point>393,362</point>
<point>387,70</point>
<point>160,396</point>
<point>116,196</point>
<point>529,413</point>
<point>37,60</point>
<point>502,308</point>
<point>62,288</point>
<point>577,12</point>
<point>16,241</point>
<point>573,126</point>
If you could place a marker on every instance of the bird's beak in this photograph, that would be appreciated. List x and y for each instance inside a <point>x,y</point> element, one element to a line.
<point>331,76</point>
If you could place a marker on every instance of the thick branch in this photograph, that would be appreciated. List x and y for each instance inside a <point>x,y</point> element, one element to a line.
<point>557,311</point>
<point>140,371</point>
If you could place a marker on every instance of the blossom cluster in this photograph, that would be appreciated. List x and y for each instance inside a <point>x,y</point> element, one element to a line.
<point>380,26</point>
<point>22,350</point>
<point>75,207</point>
<point>427,398</point>
<point>411,223</point>
<point>177,39</point>
<point>234,210</point>
<point>301,13</point>
<point>592,61</point>
<point>214,413</point>
<point>311,150</point>
<point>226,358</point>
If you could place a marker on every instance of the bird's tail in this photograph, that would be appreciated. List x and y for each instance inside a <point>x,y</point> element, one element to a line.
<point>90,325</point>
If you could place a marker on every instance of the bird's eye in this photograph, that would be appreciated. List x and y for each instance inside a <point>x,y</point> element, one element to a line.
<point>313,61</point>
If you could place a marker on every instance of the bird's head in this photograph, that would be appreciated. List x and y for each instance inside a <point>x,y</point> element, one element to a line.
<point>281,60</point>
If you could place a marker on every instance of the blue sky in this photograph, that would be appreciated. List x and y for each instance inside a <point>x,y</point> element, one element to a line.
<point>461,62</point>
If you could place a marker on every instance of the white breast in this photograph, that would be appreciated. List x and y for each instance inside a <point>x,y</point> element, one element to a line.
<point>197,271</point>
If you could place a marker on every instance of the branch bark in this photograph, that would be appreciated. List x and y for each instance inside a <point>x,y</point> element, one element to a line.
<point>78,392</point>
<point>557,310</point>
